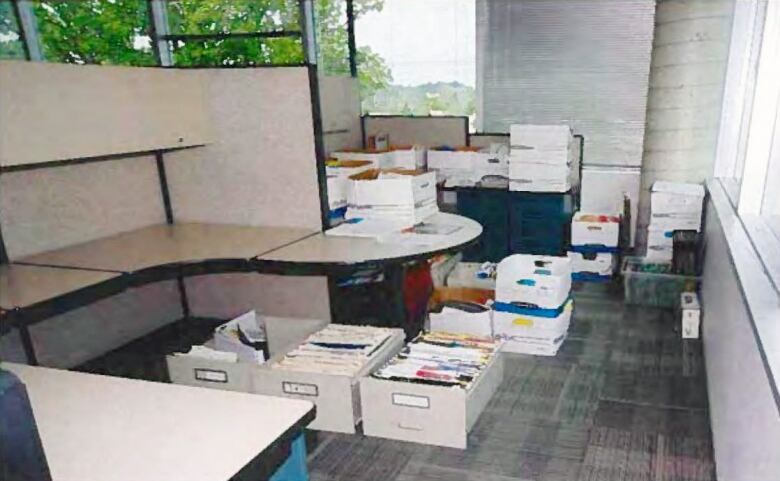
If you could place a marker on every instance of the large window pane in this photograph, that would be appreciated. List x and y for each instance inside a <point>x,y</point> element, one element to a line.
<point>10,39</point>
<point>95,31</point>
<point>232,16</point>
<point>417,57</point>
<point>330,17</point>
<point>237,52</point>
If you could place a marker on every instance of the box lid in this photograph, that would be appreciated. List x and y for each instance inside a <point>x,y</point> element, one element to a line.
<point>678,188</point>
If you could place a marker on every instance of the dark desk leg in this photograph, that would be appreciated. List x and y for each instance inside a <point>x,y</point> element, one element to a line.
<point>394,297</point>
<point>27,345</point>
<point>378,303</point>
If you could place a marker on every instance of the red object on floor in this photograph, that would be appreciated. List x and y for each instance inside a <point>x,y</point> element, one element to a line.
<point>418,287</point>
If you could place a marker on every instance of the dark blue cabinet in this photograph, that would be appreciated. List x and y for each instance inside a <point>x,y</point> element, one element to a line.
<point>489,208</point>
<point>539,223</point>
<point>516,222</point>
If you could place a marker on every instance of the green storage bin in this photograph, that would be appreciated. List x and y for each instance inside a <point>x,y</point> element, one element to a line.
<point>653,285</point>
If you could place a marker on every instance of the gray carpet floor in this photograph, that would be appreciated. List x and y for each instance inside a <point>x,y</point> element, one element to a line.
<point>624,399</point>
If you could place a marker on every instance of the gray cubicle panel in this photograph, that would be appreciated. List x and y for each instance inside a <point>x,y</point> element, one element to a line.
<point>340,110</point>
<point>57,111</point>
<point>50,208</point>
<point>483,140</point>
<point>429,131</point>
<point>260,170</point>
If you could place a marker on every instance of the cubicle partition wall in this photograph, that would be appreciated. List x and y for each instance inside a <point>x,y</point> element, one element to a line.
<point>484,140</point>
<point>340,109</point>
<point>260,170</point>
<point>431,131</point>
<point>83,154</point>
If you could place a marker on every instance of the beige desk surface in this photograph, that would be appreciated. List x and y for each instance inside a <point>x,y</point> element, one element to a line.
<point>164,244</point>
<point>321,248</point>
<point>23,286</point>
<point>101,428</point>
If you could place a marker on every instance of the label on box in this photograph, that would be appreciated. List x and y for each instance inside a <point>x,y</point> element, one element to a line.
<point>422,402</point>
<point>300,388</point>
<point>211,375</point>
<point>523,321</point>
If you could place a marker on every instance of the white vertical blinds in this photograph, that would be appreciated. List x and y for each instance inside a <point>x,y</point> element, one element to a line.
<point>581,62</point>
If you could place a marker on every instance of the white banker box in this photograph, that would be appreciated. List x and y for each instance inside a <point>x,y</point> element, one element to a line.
<point>461,322</point>
<point>595,229</point>
<point>676,198</point>
<point>540,137</point>
<point>601,263</point>
<point>541,281</point>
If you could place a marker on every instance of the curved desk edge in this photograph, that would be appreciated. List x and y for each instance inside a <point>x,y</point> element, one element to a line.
<point>21,316</point>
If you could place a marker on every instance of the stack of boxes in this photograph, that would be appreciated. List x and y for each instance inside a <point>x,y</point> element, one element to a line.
<point>338,173</point>
<point>466,166</point>
<point>397,197</point>
<point>673,206</point>
<point>533,304</point>
<point>594,246</point>
<point>541,158</point>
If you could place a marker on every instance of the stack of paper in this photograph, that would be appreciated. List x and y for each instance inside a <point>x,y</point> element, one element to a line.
<point>673,206</point>
<point>540,158</point>
<point>244,335</point>
<point>533,305</point>
<point>395,196</point>
<point>466,166</point>
<point>336,349</point>
<point>441,358</point>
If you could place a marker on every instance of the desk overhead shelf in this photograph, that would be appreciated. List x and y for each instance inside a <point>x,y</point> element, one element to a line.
<point>100,112</point>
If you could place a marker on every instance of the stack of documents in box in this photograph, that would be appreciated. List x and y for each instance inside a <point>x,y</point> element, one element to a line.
<point>533,305</point>
<point>336,349</point>
<point>540,158</point>
<point>398,197</point>
<point>673,206</point>
<point>338,173</point>
<point>440,358</point>
<point>467,166</point>
<point>594,244</point>
<point>239,340</point>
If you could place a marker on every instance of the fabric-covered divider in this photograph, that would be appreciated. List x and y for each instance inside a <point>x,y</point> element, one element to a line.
<point>425,131</point>
<point>261,170</point>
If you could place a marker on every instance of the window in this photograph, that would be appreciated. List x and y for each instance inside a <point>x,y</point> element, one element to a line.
<point>234,32</point>
<point>95,31</point>
<point>417,58</point>
<point>748,157</point>
<point>11,46</point>
<point>330,18</point>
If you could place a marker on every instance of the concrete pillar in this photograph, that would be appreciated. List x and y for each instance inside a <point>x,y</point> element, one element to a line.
<point>687,74</point>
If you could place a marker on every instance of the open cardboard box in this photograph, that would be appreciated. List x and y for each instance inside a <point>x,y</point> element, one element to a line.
<point>409,187</point>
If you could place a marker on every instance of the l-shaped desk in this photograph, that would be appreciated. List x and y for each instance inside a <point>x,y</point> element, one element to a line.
<point>43,285</point>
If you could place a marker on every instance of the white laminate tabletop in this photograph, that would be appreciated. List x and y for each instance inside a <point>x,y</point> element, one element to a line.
<point>23,286</point>
<point>101,428</point>
<point>325,249</point>
<point>165,244</point>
